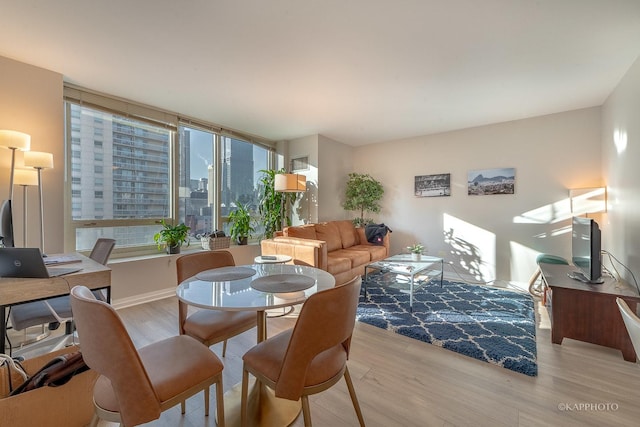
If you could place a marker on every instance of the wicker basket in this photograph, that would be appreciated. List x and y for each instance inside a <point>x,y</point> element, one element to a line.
<point>213,243</point>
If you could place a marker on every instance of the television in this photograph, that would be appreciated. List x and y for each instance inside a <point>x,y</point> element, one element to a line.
<point>6,224</point>
<point>586,250</point>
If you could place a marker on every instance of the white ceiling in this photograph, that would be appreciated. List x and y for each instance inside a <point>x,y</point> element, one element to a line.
<point>357,71</point>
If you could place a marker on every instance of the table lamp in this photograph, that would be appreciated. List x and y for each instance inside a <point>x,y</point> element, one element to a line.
<point>39,160</point>
<point>14,140</point>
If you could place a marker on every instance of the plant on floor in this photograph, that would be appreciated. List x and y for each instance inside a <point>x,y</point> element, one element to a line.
<point>362,194</point>
<point>172,236</point>
<point>241,224</point>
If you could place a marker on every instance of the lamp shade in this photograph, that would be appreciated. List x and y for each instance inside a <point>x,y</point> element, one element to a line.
<point>25,177</point>
<point>14,139</point>
<point>38,160</point>
<point>289,183</point>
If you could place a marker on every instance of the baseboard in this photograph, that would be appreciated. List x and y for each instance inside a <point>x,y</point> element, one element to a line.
<point>143,298</point>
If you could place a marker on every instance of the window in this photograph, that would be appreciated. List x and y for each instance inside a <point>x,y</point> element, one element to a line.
<point>235,179</point>
<point>135,189</point>
<point>127,172</point>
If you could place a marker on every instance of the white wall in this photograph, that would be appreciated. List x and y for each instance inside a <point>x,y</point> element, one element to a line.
<point>336,161</point>
<point>31,102</point>
<point>621,154</point>
<point>494,236</point>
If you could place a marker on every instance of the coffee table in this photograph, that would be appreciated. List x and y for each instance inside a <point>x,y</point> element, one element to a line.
<point>404,265</point>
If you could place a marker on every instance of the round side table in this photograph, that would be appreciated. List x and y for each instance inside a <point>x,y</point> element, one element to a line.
<point>272,259</point>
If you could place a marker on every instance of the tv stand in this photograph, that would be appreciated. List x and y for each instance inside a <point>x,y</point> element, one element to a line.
<point>587,312</point>
<point>577,275</point>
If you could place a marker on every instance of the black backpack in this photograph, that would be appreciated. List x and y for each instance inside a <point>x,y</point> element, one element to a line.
<point>375,233</point>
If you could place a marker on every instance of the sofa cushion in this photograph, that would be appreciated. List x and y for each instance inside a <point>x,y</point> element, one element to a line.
<point>377,252</point>
<point>356,257</point>
<point>347,233</point>
<point>328,231</point>
<point>302,231</point>
<point>337,265</point>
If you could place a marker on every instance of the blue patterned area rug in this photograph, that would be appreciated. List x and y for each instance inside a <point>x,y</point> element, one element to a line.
<point>489,324</point>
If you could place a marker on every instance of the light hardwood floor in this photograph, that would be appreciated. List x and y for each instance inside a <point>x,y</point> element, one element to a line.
<point>404,382</point>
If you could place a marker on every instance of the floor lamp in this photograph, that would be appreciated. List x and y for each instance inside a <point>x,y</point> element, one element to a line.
<point>25,178</point>
<point>39,160</point>
<point>288,183</point>
<point>14,140</point>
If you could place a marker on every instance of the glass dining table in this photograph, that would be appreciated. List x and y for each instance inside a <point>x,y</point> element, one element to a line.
<point>259,288</point>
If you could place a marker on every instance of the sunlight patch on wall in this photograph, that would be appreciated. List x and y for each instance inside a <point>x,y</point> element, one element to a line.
<point>547,214</point>
<point>620,140</point>
<point>588,200</point>
<point>471,247</point>
<point>523,262</point>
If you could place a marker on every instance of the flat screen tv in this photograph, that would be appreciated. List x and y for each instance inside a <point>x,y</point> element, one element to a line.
<point>586,250</point>
<point>6,224</point>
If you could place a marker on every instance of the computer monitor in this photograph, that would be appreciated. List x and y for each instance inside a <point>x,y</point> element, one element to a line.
<point>6,224</point>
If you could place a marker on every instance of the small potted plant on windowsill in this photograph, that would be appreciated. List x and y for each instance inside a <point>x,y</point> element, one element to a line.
<point>241,227</point>
<point>172,237</point>
<point>416,251</point>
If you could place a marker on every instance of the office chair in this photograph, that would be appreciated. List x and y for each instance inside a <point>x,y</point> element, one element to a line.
<point>56,311</point>
<point>312,356</point>
<point>632,322</point>
<point>210,326</point>
<point>136,385</point>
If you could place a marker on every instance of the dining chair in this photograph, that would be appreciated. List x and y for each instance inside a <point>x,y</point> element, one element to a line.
<point>210,326</point>
<point>136,385</point>
<point>55,311</point>
<point>312,356</point>
<point>632,322</point>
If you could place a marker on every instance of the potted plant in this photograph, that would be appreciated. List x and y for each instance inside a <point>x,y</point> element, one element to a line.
<point>241,227</point>
<point>416,251</point>
<point>172,237</point>
<point>272,203</point>
<point>362,194</point>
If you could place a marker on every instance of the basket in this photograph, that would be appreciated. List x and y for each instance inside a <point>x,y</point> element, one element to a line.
<point>213,243</point>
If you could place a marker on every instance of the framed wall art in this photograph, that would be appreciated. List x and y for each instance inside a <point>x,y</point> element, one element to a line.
<point>491,181</point>
<point>300,163</point>
<point>433,185</point>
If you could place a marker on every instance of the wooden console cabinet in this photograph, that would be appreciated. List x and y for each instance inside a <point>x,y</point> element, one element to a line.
<point>587,312</point>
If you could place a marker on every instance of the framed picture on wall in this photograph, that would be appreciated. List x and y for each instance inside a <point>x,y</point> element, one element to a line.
<point>300,164</point>
<point>491,181</point>
<point>433,185</point>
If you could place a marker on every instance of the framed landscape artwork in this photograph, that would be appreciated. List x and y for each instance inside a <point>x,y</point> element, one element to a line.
<point>433,185</point>
<point>491,181</point>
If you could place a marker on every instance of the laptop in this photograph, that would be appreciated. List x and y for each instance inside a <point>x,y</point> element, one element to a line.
<point>28,262</point>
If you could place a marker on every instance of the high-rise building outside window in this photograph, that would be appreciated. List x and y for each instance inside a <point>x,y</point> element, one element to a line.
<point>134,172</point>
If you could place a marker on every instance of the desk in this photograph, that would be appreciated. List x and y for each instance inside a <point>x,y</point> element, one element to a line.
<point>587,312</point>
<point>238,295</point>
<point>14,291</point>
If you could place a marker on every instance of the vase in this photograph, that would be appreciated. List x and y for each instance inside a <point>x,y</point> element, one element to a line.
<point>415,256</point>
<point>173,249</point>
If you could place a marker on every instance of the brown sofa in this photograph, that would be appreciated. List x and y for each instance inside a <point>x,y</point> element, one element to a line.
<point>335,246</point>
